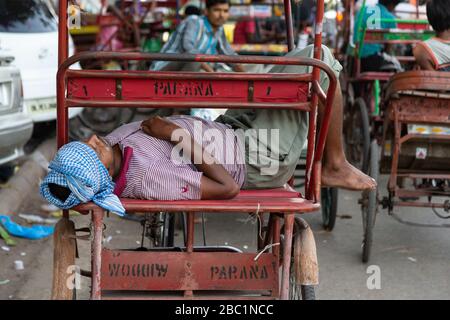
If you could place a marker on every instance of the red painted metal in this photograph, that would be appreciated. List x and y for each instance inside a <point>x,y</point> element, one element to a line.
<point>247,204</point>
<point>289,24</point>
<point>302,106</point>
<point>131,88</point>
<point>178,91</point>
<point>97,225</point>
<point>136,271</point>
<point>287,248</point>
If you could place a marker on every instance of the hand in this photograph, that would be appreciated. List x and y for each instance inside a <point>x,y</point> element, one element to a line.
<point>206,67</point>
<point>239,68</point>
<point>159,128</point>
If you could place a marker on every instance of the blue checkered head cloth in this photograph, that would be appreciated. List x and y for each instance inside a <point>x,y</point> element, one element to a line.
<point>77,167</point>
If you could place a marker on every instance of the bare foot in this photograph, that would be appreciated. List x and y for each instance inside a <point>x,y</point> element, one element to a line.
<point>346,176</point>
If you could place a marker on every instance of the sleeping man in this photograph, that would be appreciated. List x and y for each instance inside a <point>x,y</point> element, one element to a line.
<point>184,157</point>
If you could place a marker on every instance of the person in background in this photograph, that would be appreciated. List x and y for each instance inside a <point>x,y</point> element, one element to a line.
<point>373,55</point>
<point>192,7</point>
<point>251,29</point>
<point>434,54</point>
<point>199,35</point>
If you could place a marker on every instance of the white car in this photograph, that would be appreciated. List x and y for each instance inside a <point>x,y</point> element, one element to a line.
<point>16,126</point>
<point>29,33</point>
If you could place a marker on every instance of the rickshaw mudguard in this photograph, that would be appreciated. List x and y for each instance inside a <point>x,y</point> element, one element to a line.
<point>306,266</point>
<point>65,249</point>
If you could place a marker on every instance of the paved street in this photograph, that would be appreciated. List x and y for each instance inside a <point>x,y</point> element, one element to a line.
<point>414,261</point>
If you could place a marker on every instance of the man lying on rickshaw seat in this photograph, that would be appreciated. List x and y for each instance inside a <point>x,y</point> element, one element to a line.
<point>434,54</point>
<point>249,149</point>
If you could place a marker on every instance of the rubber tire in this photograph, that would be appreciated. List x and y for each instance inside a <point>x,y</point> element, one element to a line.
<point>371,209</point>
<point>329,204</point>
<point>308,293</point>
<point>302,292</point>
<point>361,107</point>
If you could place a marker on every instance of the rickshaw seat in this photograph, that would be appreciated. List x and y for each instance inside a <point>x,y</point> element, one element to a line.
<point>433,82</point>
<point>419,97</point>
<point>282,200</point>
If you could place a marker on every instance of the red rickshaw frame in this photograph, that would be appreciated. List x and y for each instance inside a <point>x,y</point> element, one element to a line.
<point>283,202</point>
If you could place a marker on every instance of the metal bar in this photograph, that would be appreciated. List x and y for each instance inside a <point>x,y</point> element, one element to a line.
<point>96,247</point>
<point>287,247</point>
<point>419,204</point>
<point>187,75</point>
<point>63,51</point>
<point>315,154</point>
<point>424,176</point>
<point>298,205</point>
<point>395,152</point>
<point>190,231</point>
<point>289,24</point>
<point>262,242</point>
<point>63,47</point>
<point>377,94</point>
<point>82,56</point>
<point>303,106</point>
<point>412,41</point>
<point>318,89</point>
<point>276,238</point>
<point>420,193</point>
<point>411,136</point>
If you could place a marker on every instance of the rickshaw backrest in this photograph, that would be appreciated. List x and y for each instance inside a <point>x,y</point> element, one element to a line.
<point>161,89</point>
<point>430,81</point>
<point>419,97</point>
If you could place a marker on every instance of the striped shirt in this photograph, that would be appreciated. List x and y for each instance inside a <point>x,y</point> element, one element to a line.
<point>439,51</point>
<point>195,35</point>
<point>153,173</point>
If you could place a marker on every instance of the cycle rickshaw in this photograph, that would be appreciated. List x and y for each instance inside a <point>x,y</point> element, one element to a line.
<point>415,148</point>
<point>362,112</point>
<point>286,243</point>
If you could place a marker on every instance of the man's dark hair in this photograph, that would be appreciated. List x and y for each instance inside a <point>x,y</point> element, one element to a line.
<point>388,3</point>
<point>212,3</point>
<point>60,192</point>
<point>438,13</point>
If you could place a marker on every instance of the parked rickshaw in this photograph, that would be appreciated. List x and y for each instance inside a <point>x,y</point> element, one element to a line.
<point>286,242</point>
<point>362,112</point>
<point>415,149</point>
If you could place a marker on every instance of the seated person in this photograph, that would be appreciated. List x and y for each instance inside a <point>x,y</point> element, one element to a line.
<point>373,57</point>
<point>143,162</point>
<point>199,35</point>
<point>434,54</point>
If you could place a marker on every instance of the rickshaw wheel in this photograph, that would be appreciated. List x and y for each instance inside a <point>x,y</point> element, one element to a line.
<point>369,208</point>
<point>329,203</point>
<point>298,291</point>
<point>63,257</point>
<point>357,135</point>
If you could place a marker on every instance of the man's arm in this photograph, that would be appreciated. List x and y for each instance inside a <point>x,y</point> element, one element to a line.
<point>225,48</point>
<point>423,58</point>
<point>189,40</point>
<point>216,182</point>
